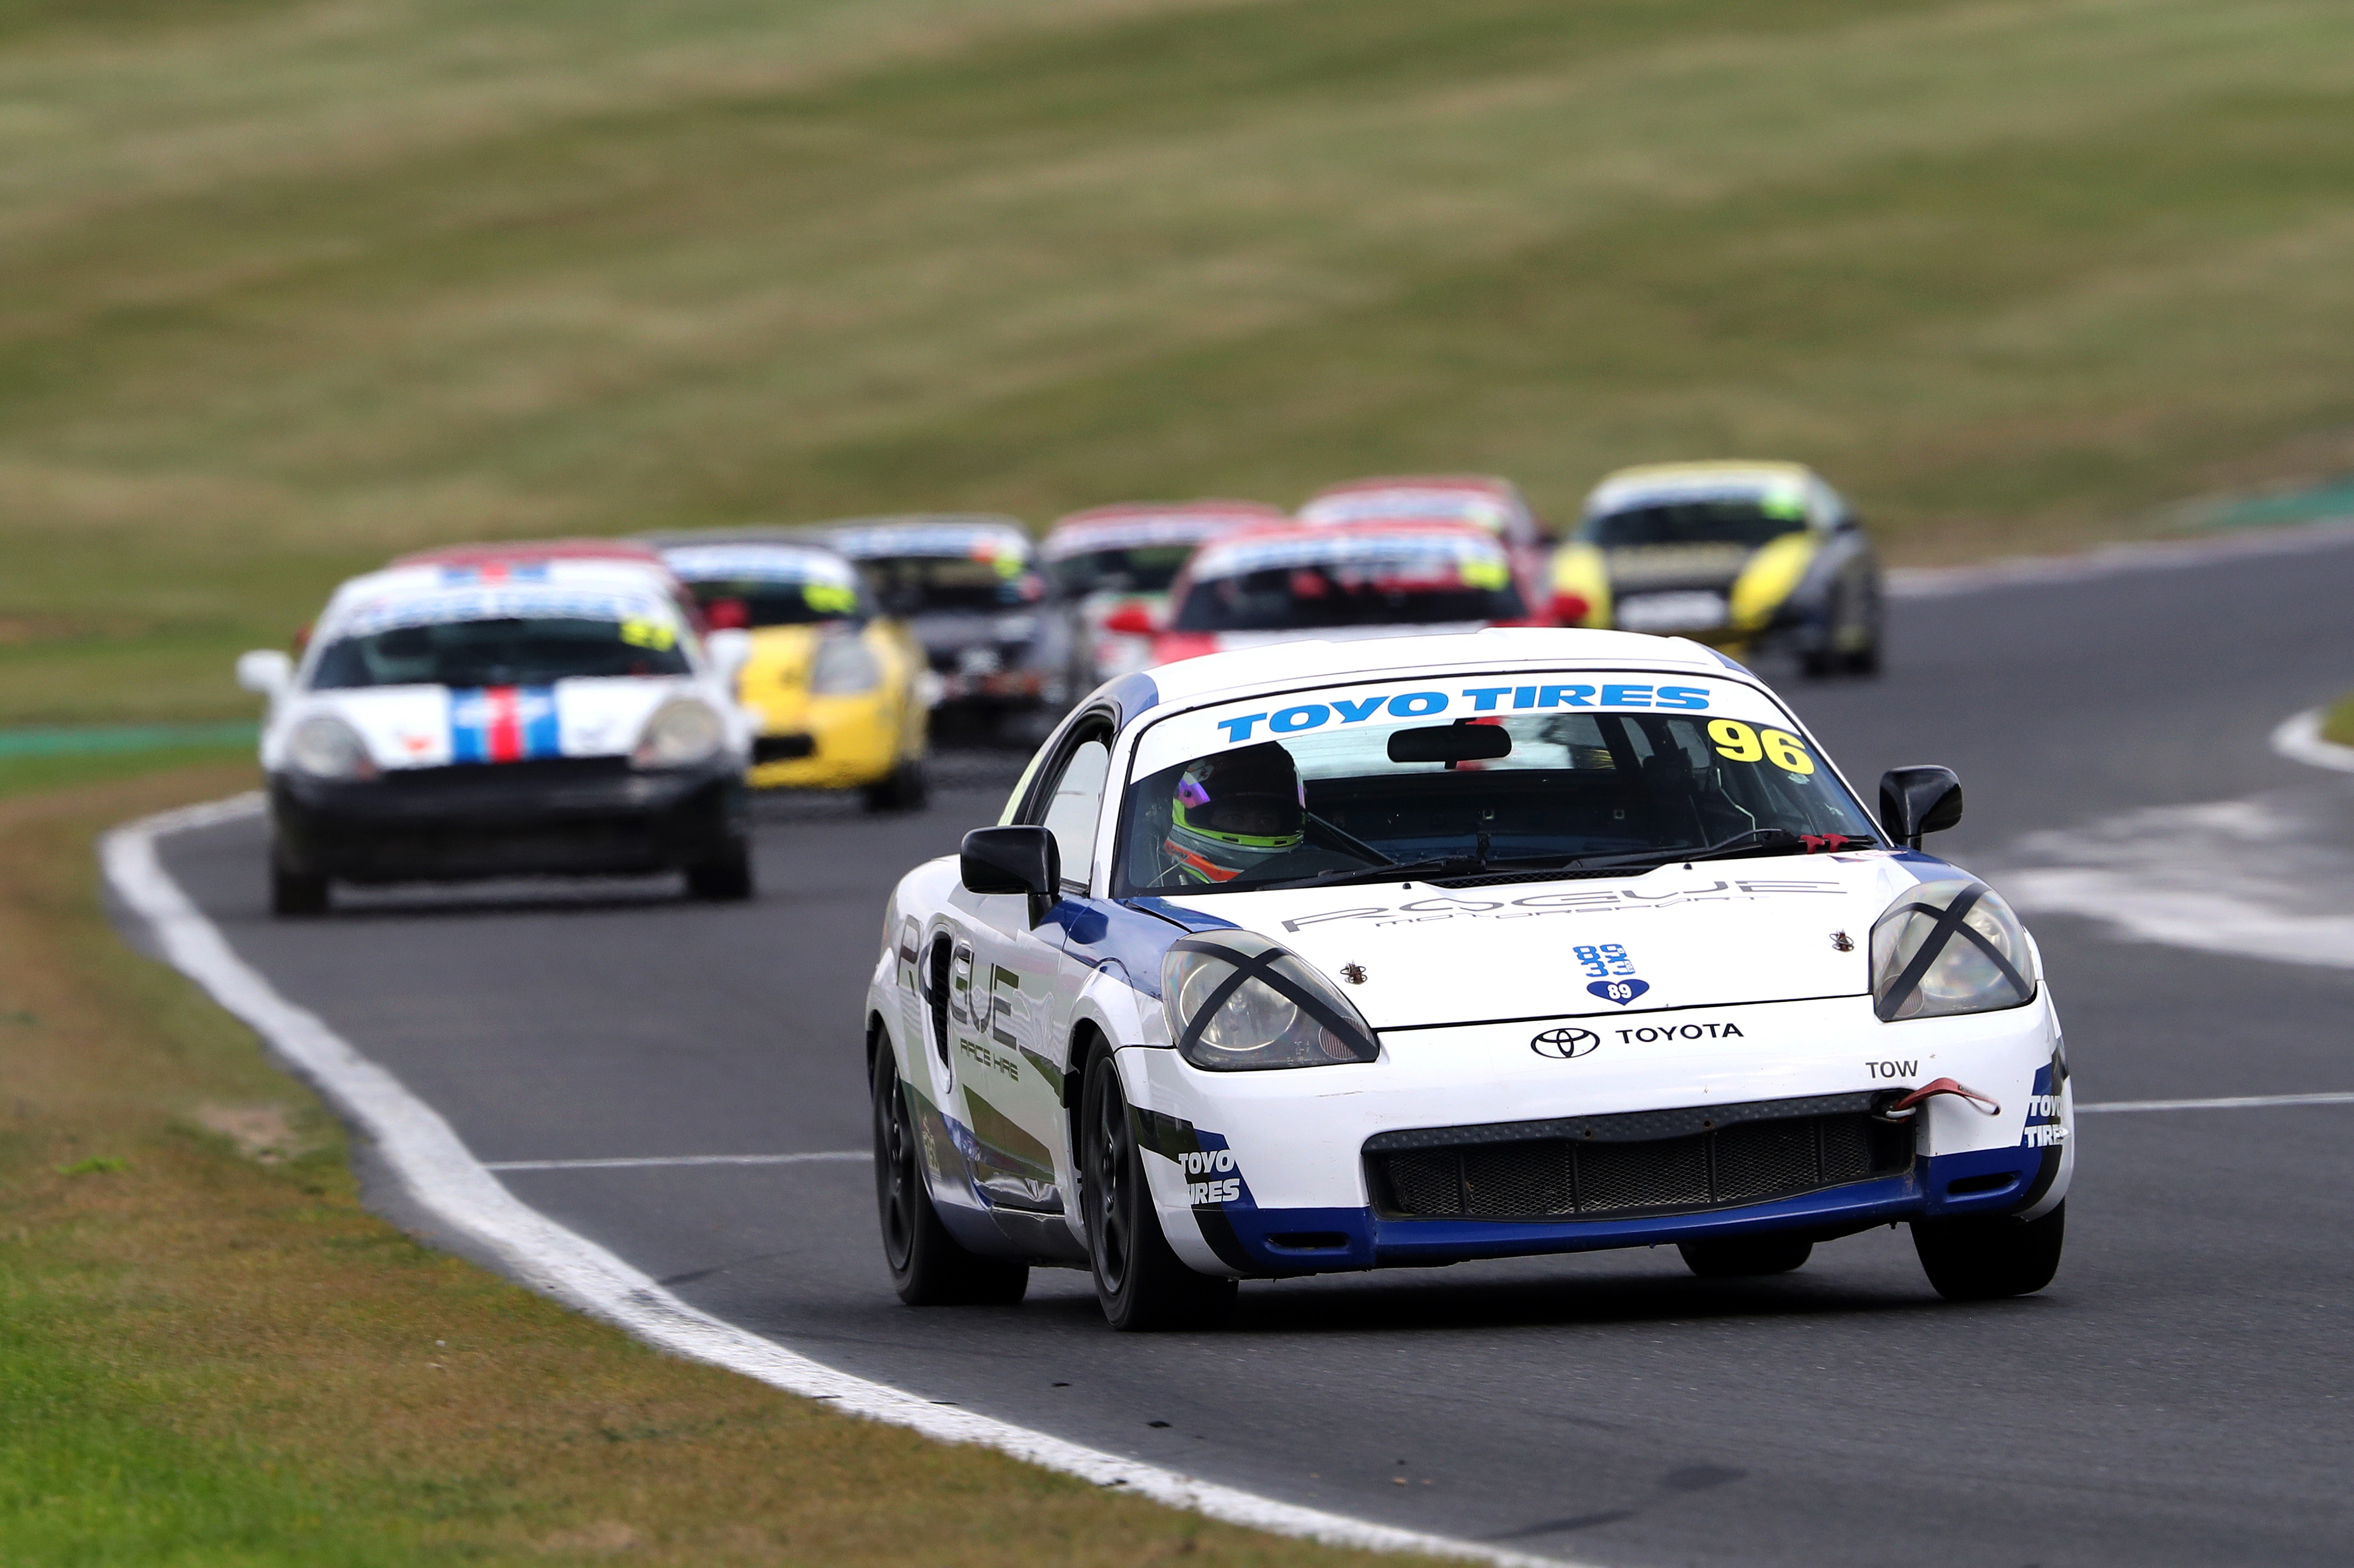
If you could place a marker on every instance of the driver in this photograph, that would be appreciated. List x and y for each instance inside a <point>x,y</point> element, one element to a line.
<point>1236,812</point>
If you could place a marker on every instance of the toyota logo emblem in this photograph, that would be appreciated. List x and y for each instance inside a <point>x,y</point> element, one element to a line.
<point>1565,1044</point>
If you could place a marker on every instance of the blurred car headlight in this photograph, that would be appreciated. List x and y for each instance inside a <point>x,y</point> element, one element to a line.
<point>325,746</point>
<point>845,666</point>
<point>681,734</point>
<point>1949,946</point>
<point>1237,1003</point>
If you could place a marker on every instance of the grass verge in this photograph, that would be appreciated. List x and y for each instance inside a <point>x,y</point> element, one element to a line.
<point>211,1355</point>
<point>288,284</point>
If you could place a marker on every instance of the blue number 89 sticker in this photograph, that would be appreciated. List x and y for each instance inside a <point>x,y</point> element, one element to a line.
<point>1614,990</point>
<point>1604,960</point>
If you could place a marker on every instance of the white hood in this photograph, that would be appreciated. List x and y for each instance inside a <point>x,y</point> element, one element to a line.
<point>420,726</point>
<point>1725,932</point>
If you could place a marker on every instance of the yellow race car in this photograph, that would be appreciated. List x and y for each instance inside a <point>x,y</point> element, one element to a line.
<point>839,692</point>
<point>1752,557</point>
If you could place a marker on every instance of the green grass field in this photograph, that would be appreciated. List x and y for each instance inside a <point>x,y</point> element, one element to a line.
<point>285,284</point>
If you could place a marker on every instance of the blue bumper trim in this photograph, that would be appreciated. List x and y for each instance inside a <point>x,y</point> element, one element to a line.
<point>1322,1241</point>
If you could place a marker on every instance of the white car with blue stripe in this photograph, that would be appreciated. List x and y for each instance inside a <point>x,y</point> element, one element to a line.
<point>501,718</point>
<point>1339,957</point>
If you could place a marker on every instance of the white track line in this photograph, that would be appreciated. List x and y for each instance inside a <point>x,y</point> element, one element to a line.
<point>861,1155</point>
<point>2298,739</point>
<point>2239,1102</point>
<point>445,1178</point>
<point>2115,560</point>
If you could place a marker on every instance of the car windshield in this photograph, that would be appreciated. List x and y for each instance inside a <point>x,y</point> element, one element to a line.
<point>1360,580</point>
<point>1536,791</point>
<point>770,602</point>
<point>528,652</point>
<point>1749,523</point>
<point>1142,569</point>
<point>912,585</point>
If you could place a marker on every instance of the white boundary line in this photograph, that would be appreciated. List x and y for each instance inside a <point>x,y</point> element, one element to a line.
<point>2298,739</point>
<point>2239,1102</point>
<point>423,1150</point>
<point>2113,560</point>
<point>650,1161</point>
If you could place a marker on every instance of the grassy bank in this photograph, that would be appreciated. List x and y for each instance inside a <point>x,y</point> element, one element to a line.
<point>211,1356</point>
<point>285,284</point>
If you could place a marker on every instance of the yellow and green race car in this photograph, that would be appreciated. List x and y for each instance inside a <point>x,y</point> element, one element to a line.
<point>1751,558</point>
<point>839,693</point>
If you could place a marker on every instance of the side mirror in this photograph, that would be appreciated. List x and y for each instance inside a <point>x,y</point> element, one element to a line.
<point>729,648</point>
<point>1569,608</point>
<point>1917,800</point>
<point>264,671</point>
<point>1013,859</point>
<point>1131,619</point>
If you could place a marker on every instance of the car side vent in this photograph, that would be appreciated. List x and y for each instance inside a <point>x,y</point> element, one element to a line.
<point>936,993</point>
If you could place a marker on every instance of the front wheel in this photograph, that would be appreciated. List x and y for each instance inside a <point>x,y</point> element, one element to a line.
<point>1140,1283</point>
<point>1984,1259</point>
<point>927,1268</point>
<point>296,891</point>
<point>905,789</point>
<point>1738,1257</point>
<point>726,878</point>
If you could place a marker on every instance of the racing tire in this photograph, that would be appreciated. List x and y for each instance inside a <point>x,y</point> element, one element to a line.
<point>1142,1284</point>
<point>297,893</point>
<point>927,1268</point>
<point>1864,661</point>
<point>1986,1259</point>
<point>1741,1257</point>
<point>726,879</point>
<point>906,789</point>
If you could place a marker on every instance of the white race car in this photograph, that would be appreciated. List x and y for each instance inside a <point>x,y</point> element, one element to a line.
<point>1333,957</point>
<point>503,714</point>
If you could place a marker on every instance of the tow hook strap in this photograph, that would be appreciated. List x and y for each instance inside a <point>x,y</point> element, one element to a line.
<point>1983,1104</point>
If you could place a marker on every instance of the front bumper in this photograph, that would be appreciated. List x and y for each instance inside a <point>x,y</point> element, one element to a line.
<point>1261,1176</point>
<point>834,742</point>
<point>556,816</point>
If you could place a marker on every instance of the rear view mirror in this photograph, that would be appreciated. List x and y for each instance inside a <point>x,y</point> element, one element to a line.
<point>728,649</point>
<point>1010,860</point>
<point>1917,800</point>
<point>1131,620</point>
<point>265,671</point>
<point>1451,743</point>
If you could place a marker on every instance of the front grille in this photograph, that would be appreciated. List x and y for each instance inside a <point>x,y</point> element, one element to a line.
<point>783,748</point>
<point>1646,1162</point>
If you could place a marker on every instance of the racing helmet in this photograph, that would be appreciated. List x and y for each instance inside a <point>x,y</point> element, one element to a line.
<point>1235,811</point>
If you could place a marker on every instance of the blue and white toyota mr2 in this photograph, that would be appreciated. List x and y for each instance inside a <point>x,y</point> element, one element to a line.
<point>1411,951</point>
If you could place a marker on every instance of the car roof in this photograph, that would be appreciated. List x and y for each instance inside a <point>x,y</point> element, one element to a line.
<point>624,579</point>
<point>925,533</point>
<point>510,551</point>
<point>1335,544</point>
<point>1220,677</point>
<point>1650,483</point>
<point>1330,504</point>
<point>695,558</point>
<point>1132,522</point>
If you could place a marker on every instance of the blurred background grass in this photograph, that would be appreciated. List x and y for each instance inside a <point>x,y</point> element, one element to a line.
<point>288,284</point>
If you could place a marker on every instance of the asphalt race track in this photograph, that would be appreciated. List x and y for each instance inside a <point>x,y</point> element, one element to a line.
<point>2184,1393</point>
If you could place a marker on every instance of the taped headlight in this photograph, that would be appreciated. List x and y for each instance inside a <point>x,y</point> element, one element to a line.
<point>325,746</point>
<point>1946,947</point>
<point>681,734</point>
<point>1237,1003</point>
<point>845,667</point>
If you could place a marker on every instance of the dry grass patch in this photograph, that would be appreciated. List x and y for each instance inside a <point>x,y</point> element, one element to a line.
<point>213,1355</point>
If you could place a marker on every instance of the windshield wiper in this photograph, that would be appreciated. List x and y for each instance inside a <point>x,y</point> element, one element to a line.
<point>1755,842</point>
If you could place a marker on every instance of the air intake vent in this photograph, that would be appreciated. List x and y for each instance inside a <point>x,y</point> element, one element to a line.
<point>1647,1162</point>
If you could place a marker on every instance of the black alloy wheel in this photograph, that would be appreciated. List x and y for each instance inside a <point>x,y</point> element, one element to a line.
<point>1984,1259</point>
<point>1139,1281</point>
<point>1741,1258</point>
<point>927,1268</point>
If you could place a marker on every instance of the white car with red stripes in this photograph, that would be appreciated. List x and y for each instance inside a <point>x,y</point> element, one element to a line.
<point>503,715</point>
<point>1341,956</point>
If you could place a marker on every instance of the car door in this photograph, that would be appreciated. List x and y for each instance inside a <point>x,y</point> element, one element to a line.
<point>1010,1064</point>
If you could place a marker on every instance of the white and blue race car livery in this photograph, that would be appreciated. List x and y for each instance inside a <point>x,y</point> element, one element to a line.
<point>1459,947</point>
